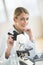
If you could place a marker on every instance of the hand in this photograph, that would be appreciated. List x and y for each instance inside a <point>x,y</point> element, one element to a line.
<point>7,53</point>
<point>29,32</point>
<point>10,41</point>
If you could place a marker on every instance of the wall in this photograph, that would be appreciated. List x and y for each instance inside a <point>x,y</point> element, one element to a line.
<point>36,20</point>
<point>35,8</point>
<point>36,26</point>
<point>40,7</point>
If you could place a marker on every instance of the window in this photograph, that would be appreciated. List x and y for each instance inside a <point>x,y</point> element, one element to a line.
<point>8,6</point>
<point>31,5</point>
<point>2,12</point>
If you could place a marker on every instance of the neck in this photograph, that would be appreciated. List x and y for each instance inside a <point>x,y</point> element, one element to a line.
<point>17,28</point>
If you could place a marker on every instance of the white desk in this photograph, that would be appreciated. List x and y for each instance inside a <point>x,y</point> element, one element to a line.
<point>28,62</point>
<point>39,61</point>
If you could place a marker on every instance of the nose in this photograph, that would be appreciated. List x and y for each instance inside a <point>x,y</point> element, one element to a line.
<point>25,21</point>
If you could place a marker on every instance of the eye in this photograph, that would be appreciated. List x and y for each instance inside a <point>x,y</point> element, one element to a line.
<point>22,19</point>
<point>27,18</point>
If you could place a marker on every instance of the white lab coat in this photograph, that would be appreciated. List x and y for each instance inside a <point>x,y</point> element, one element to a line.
<point>13,59</point>
<point>23,39</point>
<point>24,42</point>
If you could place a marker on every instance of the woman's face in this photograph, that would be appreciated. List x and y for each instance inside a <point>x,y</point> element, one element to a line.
<point>22,21</point>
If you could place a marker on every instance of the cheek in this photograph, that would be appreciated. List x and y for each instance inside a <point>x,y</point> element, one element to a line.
<point>24,23</point>
<point>20,23</point>
<point>27,23</point>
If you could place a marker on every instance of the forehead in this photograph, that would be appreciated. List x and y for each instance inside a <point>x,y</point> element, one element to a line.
<point>24,15</point>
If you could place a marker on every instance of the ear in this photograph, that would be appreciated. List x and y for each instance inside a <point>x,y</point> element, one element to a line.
<point>15,20</point>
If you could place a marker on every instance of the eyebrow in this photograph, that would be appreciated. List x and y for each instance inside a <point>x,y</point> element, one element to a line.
<point>24,17</point>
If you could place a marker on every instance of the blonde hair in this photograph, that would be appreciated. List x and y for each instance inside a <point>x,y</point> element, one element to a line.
<point>20,10</point>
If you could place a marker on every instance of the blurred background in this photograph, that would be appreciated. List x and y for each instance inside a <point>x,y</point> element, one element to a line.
<point>35,7</point>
